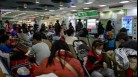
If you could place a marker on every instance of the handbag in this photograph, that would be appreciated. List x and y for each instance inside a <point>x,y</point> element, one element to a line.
<point>68,66</point>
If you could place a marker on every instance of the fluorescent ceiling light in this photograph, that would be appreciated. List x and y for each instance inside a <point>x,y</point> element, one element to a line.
<point>6,13</point>
<point>46,9</point>
<point>61,8</point>
<point>36,14</point>
<point>20,14</point>
<point>37,1</point>
<point>61,5</point>
<point>73,6</point>
<point>51,10</point>
<point>102,5</point>
<point>124,1</point>
<point>64,11</point>
<point>73,10</point>
<point>41,15</point>
<point>89,3</point>
<point>86,8</point>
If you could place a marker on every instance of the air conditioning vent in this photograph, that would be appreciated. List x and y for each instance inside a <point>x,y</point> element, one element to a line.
<point>116,6</point>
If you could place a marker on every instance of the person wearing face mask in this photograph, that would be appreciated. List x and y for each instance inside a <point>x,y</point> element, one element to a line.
<point>95,64</point>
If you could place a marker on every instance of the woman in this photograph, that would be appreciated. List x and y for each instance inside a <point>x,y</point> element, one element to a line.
<point>109,26</point>
<point>100,29</point>
<point>95,65</point>
<point>60,62</point>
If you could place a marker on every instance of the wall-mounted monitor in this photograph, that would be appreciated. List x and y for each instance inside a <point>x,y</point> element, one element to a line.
<point>127,22</point>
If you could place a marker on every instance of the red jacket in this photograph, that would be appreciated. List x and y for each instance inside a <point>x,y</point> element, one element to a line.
<point>58,70</point>
<point>90,66</point>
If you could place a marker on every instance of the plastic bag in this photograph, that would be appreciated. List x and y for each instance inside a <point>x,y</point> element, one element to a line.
<point>48,75</point>
<point>23,71</point>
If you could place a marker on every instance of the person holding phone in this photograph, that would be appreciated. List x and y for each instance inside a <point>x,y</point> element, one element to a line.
<point>95,64</point>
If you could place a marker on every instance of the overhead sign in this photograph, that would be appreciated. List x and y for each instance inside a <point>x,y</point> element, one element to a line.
<point>92,13</point>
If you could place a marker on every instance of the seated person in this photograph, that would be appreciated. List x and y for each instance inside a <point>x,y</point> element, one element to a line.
<point>95,65</point>
<point>83,33</point>
<point>110,43</point>
<point>132,70</point>
<point>4,42</point>
<point>2,31</point>
<point>70,38</point>
<point>122,38</point>
<point>60,62</point>
<point>128,55</point>
<point>56,37</point>
<point>40,49</point>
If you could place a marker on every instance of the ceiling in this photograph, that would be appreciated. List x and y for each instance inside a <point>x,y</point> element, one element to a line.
<point>16,8</point>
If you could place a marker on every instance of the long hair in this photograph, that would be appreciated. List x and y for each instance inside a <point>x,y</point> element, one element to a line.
<point>109,26</point>
<point>56,47</point>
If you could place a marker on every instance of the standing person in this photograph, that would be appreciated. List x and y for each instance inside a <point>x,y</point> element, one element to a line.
<point>100,29</point>
<point>57,28</point>
<point>60,62</point>
<point>109,27</point>
<point>79,26</point>
<point>36,27</point>
<point>70,26</point>
<point>8,27</point>
<point>95,65</point>
<point>43,31</point>
<point>1,25</point>
<point>40,50</point>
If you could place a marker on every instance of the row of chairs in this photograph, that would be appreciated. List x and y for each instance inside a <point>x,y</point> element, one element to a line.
<point>89,41</point>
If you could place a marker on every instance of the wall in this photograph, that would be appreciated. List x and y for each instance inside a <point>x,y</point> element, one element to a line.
<point>132,12</point>
<point>106,13</point>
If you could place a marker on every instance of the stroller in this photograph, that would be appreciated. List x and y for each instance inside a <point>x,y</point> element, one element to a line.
<point>82,49</point>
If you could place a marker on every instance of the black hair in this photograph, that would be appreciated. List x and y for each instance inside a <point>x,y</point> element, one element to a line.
<point>56,47</point>
<point>4,38</point>
<point>7,22</point>
<point>123,30</point>
<point>57,21</point>
<point>130,44</point>
<point>85,33</point>
<point>97,43</point>
<point>109,27</point>
<point>2,31</point>
<point>79,20</point>
<point>70,32</point>
<point>122,35</point>
<point>37,36</point>
<point>96,35</point>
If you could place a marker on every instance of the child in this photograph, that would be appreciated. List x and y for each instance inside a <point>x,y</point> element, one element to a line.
<point>110,43</point>
<point>95,65</point>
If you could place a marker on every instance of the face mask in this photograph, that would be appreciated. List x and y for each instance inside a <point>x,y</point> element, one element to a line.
<point>98,51</point>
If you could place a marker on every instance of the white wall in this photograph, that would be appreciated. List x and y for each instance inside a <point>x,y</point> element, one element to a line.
<point>132,12</point>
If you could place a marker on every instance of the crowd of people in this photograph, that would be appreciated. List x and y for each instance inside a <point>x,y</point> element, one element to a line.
<point>58,59</point>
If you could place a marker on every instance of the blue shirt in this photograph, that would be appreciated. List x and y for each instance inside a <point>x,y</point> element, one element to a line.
<point>5,49</point>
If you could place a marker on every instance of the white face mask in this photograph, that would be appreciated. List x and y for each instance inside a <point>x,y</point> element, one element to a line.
<point>98,51</point>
